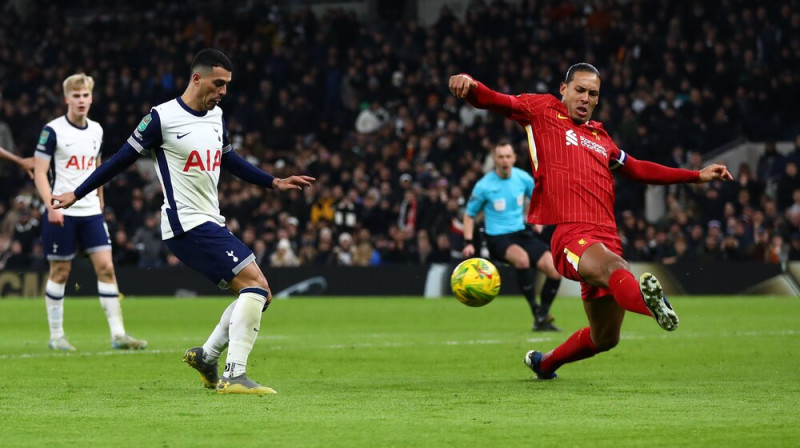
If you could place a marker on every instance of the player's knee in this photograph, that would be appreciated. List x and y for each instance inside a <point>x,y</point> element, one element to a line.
<point>59,273</point>
<point>521,263</point>
<point>261,282</point>
<point>545,264</point>
<point>616,265</point>
<point>606,343</point>
<point>104,271</point>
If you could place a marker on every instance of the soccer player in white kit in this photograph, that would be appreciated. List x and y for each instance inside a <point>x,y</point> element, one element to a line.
<point>188,142</point>
<point>70,145</point>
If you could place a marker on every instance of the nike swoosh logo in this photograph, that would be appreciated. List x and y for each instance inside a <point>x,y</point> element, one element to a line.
<point>180,136</point>
<point>69,144</point>
<point>561,117</point>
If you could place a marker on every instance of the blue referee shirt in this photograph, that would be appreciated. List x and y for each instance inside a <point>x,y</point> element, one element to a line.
<point>502,201</point>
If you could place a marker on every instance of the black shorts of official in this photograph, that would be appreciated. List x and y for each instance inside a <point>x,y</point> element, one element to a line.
<point>525,238</point>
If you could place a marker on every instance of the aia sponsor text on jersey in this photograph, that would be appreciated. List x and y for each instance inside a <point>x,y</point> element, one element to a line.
<point>208,163</point>
<point>81,162</point>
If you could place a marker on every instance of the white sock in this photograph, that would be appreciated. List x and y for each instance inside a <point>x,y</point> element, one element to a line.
<point>109,300</point>
<point>245,323</point>
<point>218,339</point>
<point>54,302</point>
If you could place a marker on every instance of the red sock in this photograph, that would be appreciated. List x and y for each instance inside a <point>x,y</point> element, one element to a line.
<point>625,289</point>
<point>578,346</point>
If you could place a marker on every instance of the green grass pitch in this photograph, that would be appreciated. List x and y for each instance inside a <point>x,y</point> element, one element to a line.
<point>405,372</point>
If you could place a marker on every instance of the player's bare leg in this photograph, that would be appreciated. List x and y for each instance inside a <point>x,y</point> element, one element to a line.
<point>544,320</point>
<point>108,293</point>
<point>605,321</point>
<point>245,322</point>
<point>54,303</point>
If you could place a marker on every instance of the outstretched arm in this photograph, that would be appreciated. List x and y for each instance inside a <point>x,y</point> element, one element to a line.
<point>26,163</point>
<point>657,174</point>
<point>482,97</point>
<point>246,171</point>
<point>124,158</point>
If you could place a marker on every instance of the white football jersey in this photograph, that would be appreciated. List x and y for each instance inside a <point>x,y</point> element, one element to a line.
<point>187,148</point>
<point>73,151</point>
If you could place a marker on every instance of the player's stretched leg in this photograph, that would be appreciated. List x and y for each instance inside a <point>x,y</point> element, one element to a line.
<point>54,303</point>
<point>602,334</point>
<point>603,268</point>
<point>205,359</point>
<point>108,293</point>
<point>254,297</point>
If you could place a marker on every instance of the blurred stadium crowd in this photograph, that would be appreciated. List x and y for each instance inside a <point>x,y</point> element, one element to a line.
<point>364,106</point>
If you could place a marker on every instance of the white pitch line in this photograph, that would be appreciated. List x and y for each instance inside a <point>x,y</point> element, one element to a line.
<point>554,337</point>
<point>87,354</point>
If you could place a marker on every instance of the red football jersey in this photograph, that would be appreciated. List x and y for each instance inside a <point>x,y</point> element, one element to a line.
<point>571,163</point>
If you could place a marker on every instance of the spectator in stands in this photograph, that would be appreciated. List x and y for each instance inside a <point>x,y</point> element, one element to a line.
<point>347,213</point>
<point>443,252</point>
<point>681,252</point>
<point>778,252</point>
<point>794,156</point>
<point>770,164</point>
<point>124,252</point>
<point>344,252</point>
<point>794,247</point>
<point>424,248</point>
<point>365,255</point>
<point>15,259</point>
<point>284,255</point>
<point>322,208</point>
<point>324,249</point>
<point>262,253</point>
<point>788,182</point>
<point>147,240</point>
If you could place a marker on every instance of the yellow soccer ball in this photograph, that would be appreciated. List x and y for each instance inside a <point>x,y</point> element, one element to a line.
<point>475,282</point>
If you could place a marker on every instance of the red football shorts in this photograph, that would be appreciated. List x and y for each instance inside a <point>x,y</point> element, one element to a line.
<point>569,242</point>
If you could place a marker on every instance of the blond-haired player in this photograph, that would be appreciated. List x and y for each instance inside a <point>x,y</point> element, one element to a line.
<point>67,153</point>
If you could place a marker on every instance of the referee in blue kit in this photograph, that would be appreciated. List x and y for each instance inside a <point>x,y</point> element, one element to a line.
<point>501,195</point>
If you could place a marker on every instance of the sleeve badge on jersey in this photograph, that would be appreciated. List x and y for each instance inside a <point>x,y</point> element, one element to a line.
<point>44,136</point>
<point>143,124</point>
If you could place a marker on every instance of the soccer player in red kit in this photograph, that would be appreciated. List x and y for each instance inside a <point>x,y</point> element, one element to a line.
<point>572,158</point>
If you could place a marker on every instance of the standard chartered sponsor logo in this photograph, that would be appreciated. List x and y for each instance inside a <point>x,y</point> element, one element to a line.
<point>596,147</point>
<point>572,138</point>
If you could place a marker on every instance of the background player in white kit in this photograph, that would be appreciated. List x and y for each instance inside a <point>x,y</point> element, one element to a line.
<point>188,141</point>
<point>70,144</point>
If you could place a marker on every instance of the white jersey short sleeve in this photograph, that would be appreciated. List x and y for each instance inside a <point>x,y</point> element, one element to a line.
<point>186,147</point>
<point>73,152</point>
